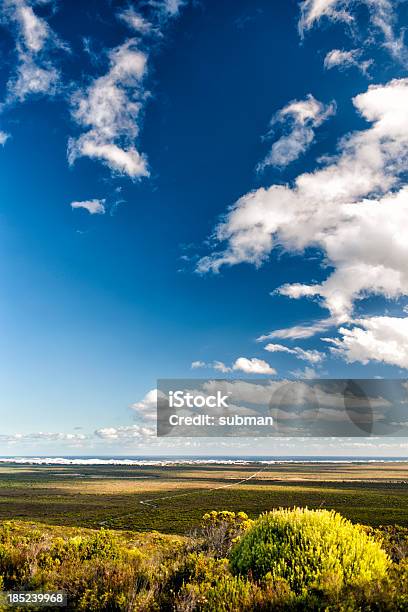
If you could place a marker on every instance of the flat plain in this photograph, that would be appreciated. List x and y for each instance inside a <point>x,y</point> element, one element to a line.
<point>173,498</point>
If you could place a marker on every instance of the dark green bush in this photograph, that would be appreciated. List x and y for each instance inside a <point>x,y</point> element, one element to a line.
<point>309,548</point>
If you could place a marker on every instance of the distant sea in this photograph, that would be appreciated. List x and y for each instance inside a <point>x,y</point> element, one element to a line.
<point>193,460</point>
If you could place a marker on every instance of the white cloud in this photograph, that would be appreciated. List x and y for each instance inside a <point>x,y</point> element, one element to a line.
<point>352,209</point>
<point>198,364</point>
<point>250,366</point>
<point>94,207</point>
<point>135,21</point>
<point>297,332</point>
<point>300,117</point>
<point>147,407</point>
<point>253,366</point>
<point>43,436</point>
<point>214,365</point>
<point>110,108</point>
<point>314,10</point>
<point>129,432</point>
<point>307,374</point>
<point>382,15</point>
<point>312,356</point>
<point>3,138</point>
<point>35,72</point>
<point>221,367</point>
<point>288,394</point>
<point>383,339</point>
<point>34,30</point>
<point>337,58</point>
<point>33,79</point>
<point>167,8</point>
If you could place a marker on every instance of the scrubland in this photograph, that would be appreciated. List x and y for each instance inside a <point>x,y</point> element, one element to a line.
<point>208,539</point>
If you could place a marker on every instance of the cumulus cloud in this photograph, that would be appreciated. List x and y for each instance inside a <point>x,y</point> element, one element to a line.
<point>382,16</point>
<point>253,366</point>
<point>299,118</point>
<point>383,339</point>
<point>94,207</point>
<point>35,72</point>
<point>352,209</point>
<point>147,407</point>
<point>337,58</point>
<point>312,356</point>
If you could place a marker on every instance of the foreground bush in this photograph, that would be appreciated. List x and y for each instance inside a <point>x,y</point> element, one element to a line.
<point>309,548</point>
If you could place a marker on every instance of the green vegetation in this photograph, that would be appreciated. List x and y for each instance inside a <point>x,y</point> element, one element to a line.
<point>122,571</point>
<point>115,496</point>
<point>90,530</point>
<point>306,547</point>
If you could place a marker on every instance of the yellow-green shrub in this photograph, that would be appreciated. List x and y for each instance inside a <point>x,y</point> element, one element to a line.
<point>309,548</point>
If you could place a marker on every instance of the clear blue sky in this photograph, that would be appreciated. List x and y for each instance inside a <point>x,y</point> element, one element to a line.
<point>100,293</point>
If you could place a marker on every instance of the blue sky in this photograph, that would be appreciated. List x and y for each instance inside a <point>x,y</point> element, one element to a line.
<point>129,130</point>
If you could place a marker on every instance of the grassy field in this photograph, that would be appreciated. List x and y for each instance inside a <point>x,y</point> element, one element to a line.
<point>172,499</point>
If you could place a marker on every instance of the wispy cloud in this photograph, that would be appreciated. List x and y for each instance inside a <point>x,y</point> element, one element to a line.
<point>126,433</point>
<point>298,332</point>
<point>219,366</point>
<point>35,40</point>
<point>167,8</point>
<point>3,138</point>
<point>312,11</point>
<point>43,436</point>
<point>198,364</point>
<point>312,356</point>
<point>243,364</point>
<point>307,373</point>
<point>135,20</point>
<point>337,58</point>
<point>382,16</point>
<point>94,207</point>
<point>299,119</point>
<point>111,107</point>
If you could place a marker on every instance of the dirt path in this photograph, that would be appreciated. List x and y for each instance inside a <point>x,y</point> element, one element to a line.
<point>151,502</point>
